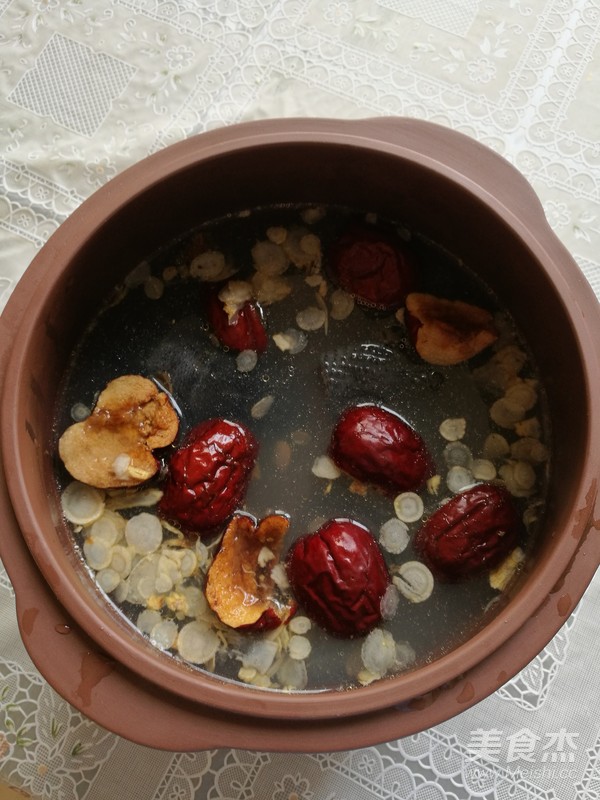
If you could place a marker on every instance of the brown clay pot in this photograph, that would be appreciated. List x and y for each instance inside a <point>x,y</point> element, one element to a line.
<point>441,183</point>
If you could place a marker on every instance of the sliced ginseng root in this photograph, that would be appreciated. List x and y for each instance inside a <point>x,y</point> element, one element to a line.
<point>82,504</point>
<point>240,587</point>
<point>414,580</point>
<point>113,447</point>
<point>446,332</point>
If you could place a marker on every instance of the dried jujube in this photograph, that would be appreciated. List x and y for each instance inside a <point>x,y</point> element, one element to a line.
<point>339,576</point>
<point>208,476</point>
<point>373,266</point>
<point>376,446</point>
<point>470,533</point>
<point>243,330</point>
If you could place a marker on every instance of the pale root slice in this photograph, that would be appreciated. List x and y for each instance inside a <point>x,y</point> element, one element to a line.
<point>131,418</point>
<point>324,467</point>
<point>299,647</point>
<point>458,478</point>
<point>389,602</point>
<point>453,428</point>
<point>342,304</point>
<point>164,634</point>
<point>303,249</point>
<point>311,318</point>
<point>378,652</point>
<point>408,507</point>
<point>97,554</point>
<point>238,590</point>
<point>262,406</point>
<point>483,469</point>
<point>197,643</point>
<point>144,533</point>
<point>300,625</point>
<point>449,331</point>
<point>292,674</point>
<point>81,504</point>
<point>260,655</point>
<point>269,258</point>
<point>393,536</point>
<point>108,580</point>
<point>415,581</point>
<point>246,360</point>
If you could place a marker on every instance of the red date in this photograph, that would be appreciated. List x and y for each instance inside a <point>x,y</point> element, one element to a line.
<point>376,446</point>
<point>472,532</point>
<point>208,476</point>
<point>243,331</point>
<point>339,576</point>
<point>373,266</point>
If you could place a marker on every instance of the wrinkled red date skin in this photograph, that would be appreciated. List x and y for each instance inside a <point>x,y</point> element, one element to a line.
<point>208,476</point>
<point>373,266</point>
<point>376,446</point>
<point>472,532</point>
<point>245,331</point>
<point>339,577</point>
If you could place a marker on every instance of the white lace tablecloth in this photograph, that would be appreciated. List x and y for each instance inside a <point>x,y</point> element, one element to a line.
<point>88,87</point>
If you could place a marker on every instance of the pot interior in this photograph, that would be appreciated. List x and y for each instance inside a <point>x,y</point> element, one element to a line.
<point>101,244</point>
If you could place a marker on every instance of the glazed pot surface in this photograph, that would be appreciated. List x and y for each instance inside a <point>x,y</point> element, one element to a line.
<point>482,212</point>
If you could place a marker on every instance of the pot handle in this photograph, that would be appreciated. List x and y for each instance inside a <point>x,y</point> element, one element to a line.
<point>478,163</point>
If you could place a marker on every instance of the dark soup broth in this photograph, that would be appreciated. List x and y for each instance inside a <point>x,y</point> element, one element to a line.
<point>308,339</point>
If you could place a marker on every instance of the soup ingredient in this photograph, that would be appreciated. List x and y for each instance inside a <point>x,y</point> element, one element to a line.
<point>339,576</point>
<point>82,504</point>
<point>373,266</point>
<point>113,447</point>
<point>447,332</point>
<point>197,642</point>
<point>311,318</point>
<point>208,476</point>
<point>292,341</point>
<point>381,654</point>
<point>239,586</point>
<point>143,533</point>
<point>246,360</point>
<point>342,304</point>
<point>408,507</point>
<point>376,446</point>
<point>502,575</point>
<point>473,531</point>
<point>393,536</point>
<point>243,329</point>
<point>414,580</point>
<point>323,467</point>
<point>453,429</point>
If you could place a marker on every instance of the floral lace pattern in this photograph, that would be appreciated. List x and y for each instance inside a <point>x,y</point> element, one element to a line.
<point>86,89</point>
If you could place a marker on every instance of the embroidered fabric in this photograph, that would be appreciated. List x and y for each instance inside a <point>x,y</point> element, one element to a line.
<point>88,88</point>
